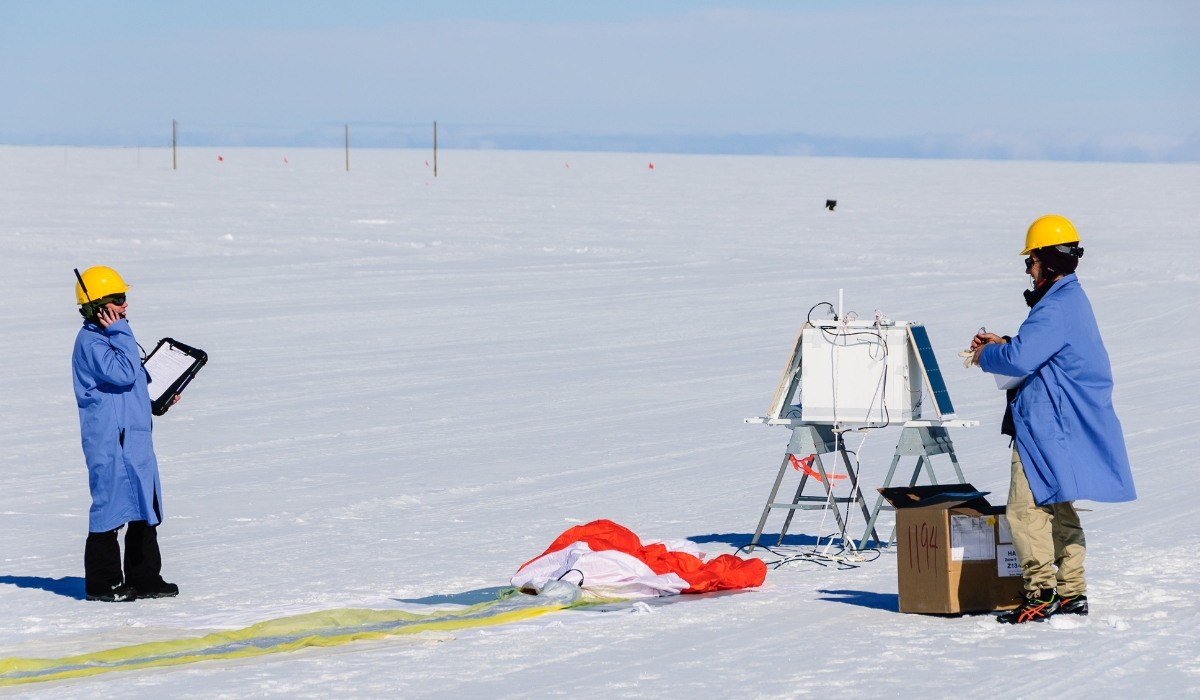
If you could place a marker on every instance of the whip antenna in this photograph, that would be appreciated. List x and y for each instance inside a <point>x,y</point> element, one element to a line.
<point>82,285</point>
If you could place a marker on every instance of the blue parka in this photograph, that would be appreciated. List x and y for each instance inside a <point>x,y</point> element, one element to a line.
<point>1068,435</point>
<point>110,388</point>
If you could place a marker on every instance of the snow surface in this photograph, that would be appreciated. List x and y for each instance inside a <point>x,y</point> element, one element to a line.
<point>415,384</point>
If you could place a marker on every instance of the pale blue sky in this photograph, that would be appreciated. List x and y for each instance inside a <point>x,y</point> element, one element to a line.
<point>1051,79</point>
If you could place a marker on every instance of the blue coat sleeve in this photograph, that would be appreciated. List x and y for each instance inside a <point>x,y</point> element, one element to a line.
<point>1041,336</point>
<point>116,361</point>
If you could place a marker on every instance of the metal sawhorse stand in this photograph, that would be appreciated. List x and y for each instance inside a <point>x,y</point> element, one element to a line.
<point>817,440</point>
<point>921,439</point>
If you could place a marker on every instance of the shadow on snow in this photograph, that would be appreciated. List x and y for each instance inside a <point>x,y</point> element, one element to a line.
<point>479,595</point>
<point>68,586</point>
<point>742,539</point>
<point>864,599</point>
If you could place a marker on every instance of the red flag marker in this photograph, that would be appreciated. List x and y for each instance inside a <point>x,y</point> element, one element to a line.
<point>219,158</point>
<point>285,160</point>
<point>568,165</point>
<point>426,164</point>
<point>652,166</point>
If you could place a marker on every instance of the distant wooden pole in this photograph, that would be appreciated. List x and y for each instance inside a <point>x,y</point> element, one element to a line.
<point>347,148</point>
<point>435,148</point>
<point>174,134</point>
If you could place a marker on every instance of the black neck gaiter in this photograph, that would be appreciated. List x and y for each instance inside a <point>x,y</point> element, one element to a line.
<point>1033,296</point>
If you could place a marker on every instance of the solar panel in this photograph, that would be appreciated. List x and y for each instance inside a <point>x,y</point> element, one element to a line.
<point>933,374</point>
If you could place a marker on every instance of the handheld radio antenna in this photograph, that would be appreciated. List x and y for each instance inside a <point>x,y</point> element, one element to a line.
<point>82,285</point>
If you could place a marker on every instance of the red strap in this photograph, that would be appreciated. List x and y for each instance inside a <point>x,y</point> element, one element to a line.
<point>805,465</point>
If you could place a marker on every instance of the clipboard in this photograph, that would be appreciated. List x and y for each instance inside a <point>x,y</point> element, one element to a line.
<point>171,366</point>
<point>1005,382</point>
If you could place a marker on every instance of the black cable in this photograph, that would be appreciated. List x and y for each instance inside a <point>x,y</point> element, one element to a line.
<point>785,555</point>
<point>814,557</point>
<point>832,308</point>
<point>762,546</point>
<point>581,576</point>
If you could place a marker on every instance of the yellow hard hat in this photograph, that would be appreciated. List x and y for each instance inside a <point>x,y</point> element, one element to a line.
<point>1049,230</point>
<point>100,282</point>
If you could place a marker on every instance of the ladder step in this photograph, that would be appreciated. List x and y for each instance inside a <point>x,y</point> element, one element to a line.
<point>803,506</point>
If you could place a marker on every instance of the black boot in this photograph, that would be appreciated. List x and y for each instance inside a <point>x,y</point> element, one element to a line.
<point>1038,606</point>
<point>1075,605</point>
<point>120,594</point>
<point>143,562</point>
<point>102,569</point>
<point>162,590</point>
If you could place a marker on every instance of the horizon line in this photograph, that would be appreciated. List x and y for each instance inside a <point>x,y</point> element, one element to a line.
<point>983,145</point>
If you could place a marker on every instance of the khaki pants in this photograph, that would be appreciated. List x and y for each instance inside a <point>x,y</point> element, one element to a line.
<point>1045,537</point>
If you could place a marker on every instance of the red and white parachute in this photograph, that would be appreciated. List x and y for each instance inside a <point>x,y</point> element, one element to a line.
<point>609,561</point>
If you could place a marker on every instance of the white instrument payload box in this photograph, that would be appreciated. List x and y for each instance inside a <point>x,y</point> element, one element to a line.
<point>869,373</point>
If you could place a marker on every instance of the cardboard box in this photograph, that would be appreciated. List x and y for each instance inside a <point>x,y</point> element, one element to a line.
<point>953,552</point>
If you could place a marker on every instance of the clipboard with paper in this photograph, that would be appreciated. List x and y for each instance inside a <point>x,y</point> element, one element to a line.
<point>171,366</point>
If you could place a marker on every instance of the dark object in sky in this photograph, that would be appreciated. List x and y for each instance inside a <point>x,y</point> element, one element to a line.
<point>830,204</point>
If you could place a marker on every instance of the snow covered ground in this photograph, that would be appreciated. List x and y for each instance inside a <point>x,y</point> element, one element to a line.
<point>415,384</point>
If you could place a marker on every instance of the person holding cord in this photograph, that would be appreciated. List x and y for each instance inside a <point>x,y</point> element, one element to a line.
<point>1067,440</point>
<point>115,424</point>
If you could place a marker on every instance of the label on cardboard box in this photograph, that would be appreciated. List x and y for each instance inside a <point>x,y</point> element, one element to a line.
<point>1005,534</point>
<point>971,538</point>
<point>1007,563</point>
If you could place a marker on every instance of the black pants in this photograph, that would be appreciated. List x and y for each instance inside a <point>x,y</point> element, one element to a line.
<point>102,559</point>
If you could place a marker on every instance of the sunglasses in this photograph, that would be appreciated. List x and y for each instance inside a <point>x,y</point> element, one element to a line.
<point>115,299</point>
<point>1029,262</point>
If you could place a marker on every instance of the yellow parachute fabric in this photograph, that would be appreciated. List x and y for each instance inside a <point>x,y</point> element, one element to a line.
<point>322,629</point>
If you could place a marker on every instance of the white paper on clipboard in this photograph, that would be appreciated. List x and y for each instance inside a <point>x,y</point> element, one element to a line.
<point>165,366</point>
<point>1005,382</point>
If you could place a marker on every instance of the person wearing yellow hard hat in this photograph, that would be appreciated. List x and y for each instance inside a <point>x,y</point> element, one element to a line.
<point>115,424</point>
<point>1067,440</point>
